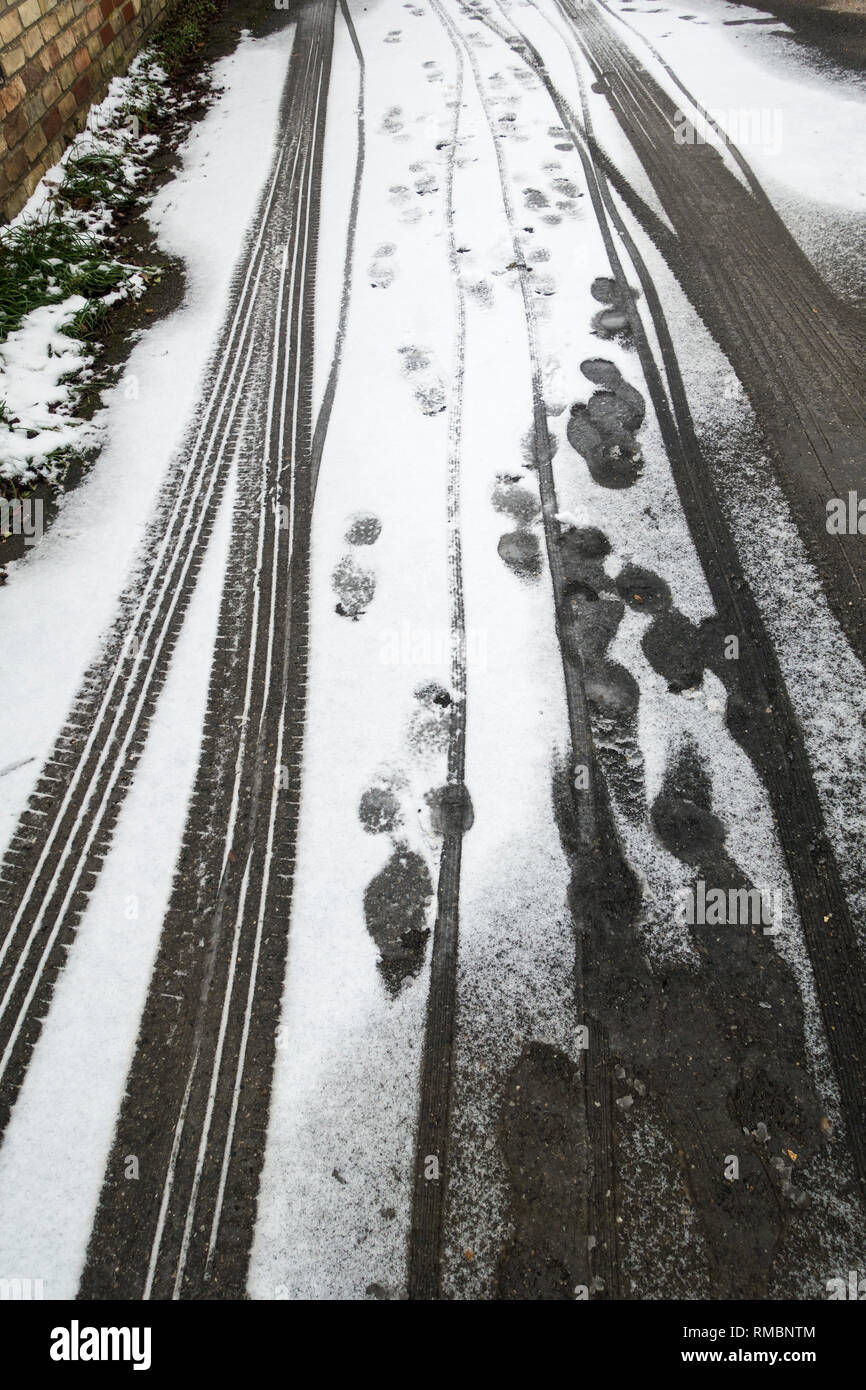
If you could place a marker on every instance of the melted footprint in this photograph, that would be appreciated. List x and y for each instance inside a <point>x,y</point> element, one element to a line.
<point>426,382</point>
<point>382,270</point>
<point>364,529</point>
<point>355,587</point>
<point>520,549</point>
<point>395,912</point>
<point>429,730</point>
<point>379,810</point>
<point>603,430</point>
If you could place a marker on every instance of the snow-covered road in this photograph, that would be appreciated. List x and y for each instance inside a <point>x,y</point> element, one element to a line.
<point>434,830</point>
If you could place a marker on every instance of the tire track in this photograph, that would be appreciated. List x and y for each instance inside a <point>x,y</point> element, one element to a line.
<point>796,347</point>
<point>65,834</point>
<point>195,1109</point>
<point>588,814</point>
<point>437,1062</point>
<point>761,716</point>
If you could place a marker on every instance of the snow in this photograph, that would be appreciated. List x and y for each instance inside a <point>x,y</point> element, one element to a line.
<point>53,1159</point>
<point>54,1152</point>
<point>334,1205</point>
<point>73,578</point>
<point>739,72</point>
<point>36,361</point>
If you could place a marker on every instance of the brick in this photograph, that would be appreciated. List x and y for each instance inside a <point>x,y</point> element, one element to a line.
<point>34,176</point>
<point>106,6</point>
<point>35,143</point>
<point>32,75</point>
<point>81,90</point>
<point>106,33</point>
<point>49,27</point>
<point>94,19</point>
<point>15,128</point>
<point>66,74</point>
<point>29,13</point>
<point>50,90</point>
<point>81,60</point>
<point>94,47</point>
<point>66,106</point>
<point>13,60</point>
<point>34,107</point>
<point>52,123</point>
<point>10,27</point>
<point>32,41</point>
<point>65,43</point>
<point>55,150</point>
<point>65,13</point>
<point>11,94</point>
<point>50,57</point>
<point>15,166</point>
<point>128,11</point>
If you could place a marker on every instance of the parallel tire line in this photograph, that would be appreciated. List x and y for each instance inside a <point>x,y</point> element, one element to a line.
<point>776,745</point>
<point>28,976</point>
<point>230,1031</point>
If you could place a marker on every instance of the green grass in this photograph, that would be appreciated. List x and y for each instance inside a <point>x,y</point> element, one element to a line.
<point>44,263</point>
<point>94,176</point>
<point>183,33</point>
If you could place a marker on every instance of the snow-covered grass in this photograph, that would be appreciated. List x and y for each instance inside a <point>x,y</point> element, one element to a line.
<point>60,275</point>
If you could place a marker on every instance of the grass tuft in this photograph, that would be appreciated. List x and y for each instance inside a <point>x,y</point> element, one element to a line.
<point>183,33</point>
<point>46,262</point>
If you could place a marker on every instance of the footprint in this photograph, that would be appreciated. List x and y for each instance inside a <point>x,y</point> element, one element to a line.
<point>392,121</point>
<point>614,320</point>
<point>451,810</point>
<point>520,549</point>
<point>396,902</point>
<point>529,448</point>
<point>382,271</point>
<point>393,36</point>
<point>521,552</point>
<point>426,184</point>
<point>603,430</point>
<point>518,502</point>
<point>354,586</point>
<point>642,590</point>
<point>379,810</point>
<point>430,722</point>
<point>426,383</point>
<point>544,285</point>
<point>534,198</point>
<point>364,529</point>
<point>481,291</point>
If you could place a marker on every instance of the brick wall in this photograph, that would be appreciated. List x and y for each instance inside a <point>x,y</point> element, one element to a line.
<point>58,56</point>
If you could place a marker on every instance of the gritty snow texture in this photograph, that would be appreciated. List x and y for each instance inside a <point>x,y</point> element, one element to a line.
<point>56,1145</point>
